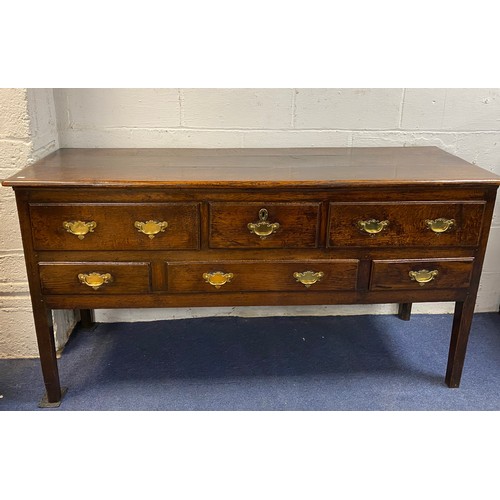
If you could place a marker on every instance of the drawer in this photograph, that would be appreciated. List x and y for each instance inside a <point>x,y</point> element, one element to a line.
<point>264,225</point>
<point>258,276</point>
<point>421,274</point>
<point>94,277</point>
<point>437,224</point>
<point>112,226</point>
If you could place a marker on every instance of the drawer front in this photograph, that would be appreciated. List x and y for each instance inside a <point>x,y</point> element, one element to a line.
<point>115,226</point>
<point>258,276</point>
<point>421,274</point>
<point>405,224</point>
<point>264,225</point>
<point>94,278</point>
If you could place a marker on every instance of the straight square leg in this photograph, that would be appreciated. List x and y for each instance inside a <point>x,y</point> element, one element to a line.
<point>462,321</point>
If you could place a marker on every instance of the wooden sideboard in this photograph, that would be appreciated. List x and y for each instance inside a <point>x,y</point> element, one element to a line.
<point>126,228</point>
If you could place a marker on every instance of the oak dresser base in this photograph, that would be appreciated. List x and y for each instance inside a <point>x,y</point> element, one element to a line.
<point>126,228</point>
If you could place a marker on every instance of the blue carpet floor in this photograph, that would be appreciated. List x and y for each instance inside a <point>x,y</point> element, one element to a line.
<point>286,363</point>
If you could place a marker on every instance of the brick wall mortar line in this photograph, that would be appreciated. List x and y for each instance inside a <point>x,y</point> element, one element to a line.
<point>248,129</point>
<point>401,108</point>
<point>6,138</point>
<point>181,107</point>
<point>294,108</point>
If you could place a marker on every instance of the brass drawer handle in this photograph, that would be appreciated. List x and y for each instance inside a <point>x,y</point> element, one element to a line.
<point>79,228</point>
<point>439,225</point>
<point>95,280</point>
<point>151,227</point>
<point>423,276</point>
<point>372,226</point>
<point>263,228</point>
<point>308,278</point>
<point>218,278</point>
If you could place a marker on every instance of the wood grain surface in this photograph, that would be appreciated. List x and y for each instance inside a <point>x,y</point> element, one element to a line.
<point>250,168</point>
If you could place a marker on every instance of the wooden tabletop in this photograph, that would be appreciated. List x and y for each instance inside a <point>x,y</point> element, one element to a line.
<point>249,168</point>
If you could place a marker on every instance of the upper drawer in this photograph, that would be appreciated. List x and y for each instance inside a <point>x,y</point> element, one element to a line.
<point>436,224</point>
<point>264,225</point>
<point>115,226</point>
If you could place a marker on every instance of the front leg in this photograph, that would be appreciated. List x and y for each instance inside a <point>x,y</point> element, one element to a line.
<point>47,349</point>
<point>462,321</point>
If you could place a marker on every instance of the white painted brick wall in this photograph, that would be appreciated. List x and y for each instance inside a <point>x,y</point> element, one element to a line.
<point>118,108</point>
<point>17,339</point>
<point>16,323</point>
<point>43,122</point>
<point>348,109</point>
<point>236,108</point>
<point>465,122</point>
<point>14,119</point>
<point>451,109</point>
<point>28,131</point>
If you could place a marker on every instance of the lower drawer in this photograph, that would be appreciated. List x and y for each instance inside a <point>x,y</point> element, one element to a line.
<point>94,277</point>
<point>417,274</point>
<point>258,276</point>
